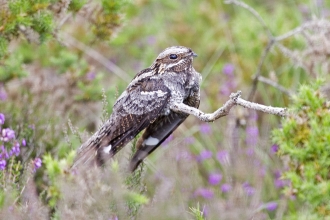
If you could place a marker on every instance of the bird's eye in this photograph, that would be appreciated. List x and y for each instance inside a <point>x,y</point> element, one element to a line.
<point>173,56</point>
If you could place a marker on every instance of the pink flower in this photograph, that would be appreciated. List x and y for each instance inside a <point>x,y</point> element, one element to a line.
<point>23,142</point>
<point>205,154</point>
<point>252,135</point>
<point>15,150</point>
<point>7,134</point>
<point>37,163</point>
<point>205,128</point>
<point>2,119</point>
<point>215,178</point>
<point>223,156</point>
<point>3,164</point>
<point>271,206</point>
<point>225,187</point>
<point>274,148</point>
<point>228,69</point>
<point>205,193</point>
<point>249,190</point>
<point>90,76</point>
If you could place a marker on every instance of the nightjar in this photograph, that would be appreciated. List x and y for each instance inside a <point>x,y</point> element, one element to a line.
<point>146,104</point>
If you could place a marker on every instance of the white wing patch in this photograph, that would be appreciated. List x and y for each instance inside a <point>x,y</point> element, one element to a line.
<point>159,93</point>
<point>151,141</point>
<point>107,149</point>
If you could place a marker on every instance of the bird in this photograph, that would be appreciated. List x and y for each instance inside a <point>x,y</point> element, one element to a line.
<point>146,105</point>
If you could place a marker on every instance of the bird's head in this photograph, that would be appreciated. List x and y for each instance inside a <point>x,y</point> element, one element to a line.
<point>176,58</point>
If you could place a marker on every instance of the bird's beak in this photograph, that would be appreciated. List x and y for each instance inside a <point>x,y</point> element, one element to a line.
<point>194,54</point>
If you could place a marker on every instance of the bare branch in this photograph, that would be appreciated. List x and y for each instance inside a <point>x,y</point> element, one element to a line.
<point>97,57</point>
<point>275,85</point>
<point>316,23</point>
<point>258,72</point>
<point>254,12</point>
<point>223,111</point>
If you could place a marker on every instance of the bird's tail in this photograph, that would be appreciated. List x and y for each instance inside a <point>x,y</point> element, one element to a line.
<point>86,155</point>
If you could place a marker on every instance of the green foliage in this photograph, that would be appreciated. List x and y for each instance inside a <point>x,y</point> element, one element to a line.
<point>55,169</point>
<point>108,19</point>
<point>76,5</point>
<point>32,14</point>
<point>12,67</point>
<point>304,138</point>
<point>197,213</point>
<point>136,198</point>
<point>65,59</point>
<point>57,63</point>
<point>3,46</point>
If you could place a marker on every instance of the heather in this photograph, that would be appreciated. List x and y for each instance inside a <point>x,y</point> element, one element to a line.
<point>64,63</point>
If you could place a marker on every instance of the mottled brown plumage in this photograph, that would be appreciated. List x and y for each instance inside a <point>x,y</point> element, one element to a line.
<point>146,104</point>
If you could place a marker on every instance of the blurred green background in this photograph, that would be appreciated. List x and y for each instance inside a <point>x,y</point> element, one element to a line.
<point>64,63</point>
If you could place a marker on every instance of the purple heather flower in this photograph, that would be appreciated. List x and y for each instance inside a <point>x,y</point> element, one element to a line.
<point>151,40</point>
<point>113,218</point>
<point>228,69</point>
<point>23,142</point>
<point>223,156</point>
<point>261,168</point>
<point>249,190</point>
<point>3,94</point>
<point>230,84</point>
<point>271,206</point>
<point>2,119</point>
<point>215,178</point>
<point>74,171</point>
<point>32,126</point>
<point>205,193</point>
<point>189,140</point>
<point>277,174</point>
<point>3,164</point>
<point>278,182</point>
<point>205,211</point>
<point>252,134</point>
<point>168,140</point>
<point>227,87</point>
<point>205,154</point>
<point>274,148</point>
<point>250,151</point>
<point>4,153</point>
<point>262,171</point>
<point>205,128</point>
<point>90,75</point>
<point>7,134</point>
<point>225,187</point>
<point>37,163</point>
<point>15,150</point>
<point>225,90</point>
<point>253,116</point>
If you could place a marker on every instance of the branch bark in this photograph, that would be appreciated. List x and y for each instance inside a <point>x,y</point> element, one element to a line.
<point>235,99</point>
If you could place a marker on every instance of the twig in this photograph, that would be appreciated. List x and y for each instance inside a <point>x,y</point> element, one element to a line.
<point>97,57</point>
<point>223,111</point>
<point>254,12</point>
<point>258,71</point>
<point>275,85</point>
<point>266,50</point>
<point>301,28</point>
<point>272,41</point>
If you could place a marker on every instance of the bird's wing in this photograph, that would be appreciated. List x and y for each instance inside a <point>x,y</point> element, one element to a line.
<point>136,109</point>
<point>157,132</point>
